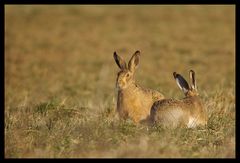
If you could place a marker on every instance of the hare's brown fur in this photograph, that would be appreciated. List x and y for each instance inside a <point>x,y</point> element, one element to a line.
<point>189,111</point>
<point>133,101</point>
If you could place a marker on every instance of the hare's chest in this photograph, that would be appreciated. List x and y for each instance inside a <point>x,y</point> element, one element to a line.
<point>136,105</point>
<point>131,103</point>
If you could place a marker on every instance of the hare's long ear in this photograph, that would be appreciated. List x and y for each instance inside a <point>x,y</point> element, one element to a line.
<point>134,61</point>
<point>120,62</point>
<point>192,79</point>
<point>181,82</point>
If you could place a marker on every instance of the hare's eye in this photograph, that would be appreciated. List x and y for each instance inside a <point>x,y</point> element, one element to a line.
<point>127,75</point>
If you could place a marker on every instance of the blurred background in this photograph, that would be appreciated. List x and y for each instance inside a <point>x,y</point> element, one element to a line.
<point>66,51</point>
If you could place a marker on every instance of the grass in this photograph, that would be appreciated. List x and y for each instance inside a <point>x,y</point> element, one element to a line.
<point>60,95</point>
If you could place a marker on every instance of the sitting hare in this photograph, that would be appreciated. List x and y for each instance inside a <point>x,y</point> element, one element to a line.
<point>133,101</point>
<point>189,111</point>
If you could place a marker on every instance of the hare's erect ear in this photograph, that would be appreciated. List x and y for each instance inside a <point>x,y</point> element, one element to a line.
<point>192,79</point>
<point>120,62</point>
<point>134,61</point>
<point>181,82</point>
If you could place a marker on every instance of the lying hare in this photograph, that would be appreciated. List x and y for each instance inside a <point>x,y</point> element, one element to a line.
<point>188,111</point>
<point>133,101</point>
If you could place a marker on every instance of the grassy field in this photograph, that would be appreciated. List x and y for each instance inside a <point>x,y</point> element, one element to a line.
<point>60,96</point>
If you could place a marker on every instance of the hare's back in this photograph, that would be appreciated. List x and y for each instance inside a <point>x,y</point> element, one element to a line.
<point>157,95</point>
<point>169,112</point>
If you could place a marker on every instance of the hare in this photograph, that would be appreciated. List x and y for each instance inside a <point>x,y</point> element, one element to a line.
<point>188,112</point>
<point>133,101</point>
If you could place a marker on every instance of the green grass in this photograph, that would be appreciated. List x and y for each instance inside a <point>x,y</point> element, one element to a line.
<point>60,97</point>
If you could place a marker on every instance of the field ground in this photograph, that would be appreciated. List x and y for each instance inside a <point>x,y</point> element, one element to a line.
<point>60,95</point>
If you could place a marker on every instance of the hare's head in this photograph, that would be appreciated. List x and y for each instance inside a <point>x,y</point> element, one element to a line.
<point>183,84</point>
<point>125,76</point>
